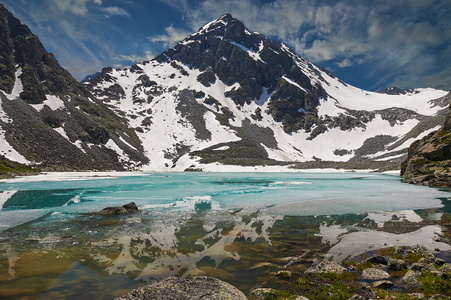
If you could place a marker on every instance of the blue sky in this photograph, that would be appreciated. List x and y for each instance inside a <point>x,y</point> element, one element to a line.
<point>369,44</point>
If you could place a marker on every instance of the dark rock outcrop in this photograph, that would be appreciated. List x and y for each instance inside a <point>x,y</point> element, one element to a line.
<point>429,159</point>
<point>197,288</point>
<point>126,209</point>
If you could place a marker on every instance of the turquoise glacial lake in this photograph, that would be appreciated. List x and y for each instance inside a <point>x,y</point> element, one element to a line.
<point>238,227</point>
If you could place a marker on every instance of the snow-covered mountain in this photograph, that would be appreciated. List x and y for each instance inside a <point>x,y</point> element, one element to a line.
<point>228,96</point>
<point>50,120</point>
<point>223,96</point>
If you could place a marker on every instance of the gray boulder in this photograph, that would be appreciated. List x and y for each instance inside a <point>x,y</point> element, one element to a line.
<point>326,267</point>
<point>374,274</point>
<point>411,278</point>
<point>174,288</point>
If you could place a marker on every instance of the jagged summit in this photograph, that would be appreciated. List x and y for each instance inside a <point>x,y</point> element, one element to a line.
<point>227,50</point>
<point>231,29</point>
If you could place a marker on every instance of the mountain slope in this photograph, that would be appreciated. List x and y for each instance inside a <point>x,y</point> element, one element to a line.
<point>49,119</point>
<point>225,95</point>
<point>429,159</point>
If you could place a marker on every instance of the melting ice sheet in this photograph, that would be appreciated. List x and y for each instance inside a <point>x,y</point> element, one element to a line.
<point>294,194</point>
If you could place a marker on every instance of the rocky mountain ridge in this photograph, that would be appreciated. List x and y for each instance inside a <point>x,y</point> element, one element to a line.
<point>224,96</point>
<point>50,120</point>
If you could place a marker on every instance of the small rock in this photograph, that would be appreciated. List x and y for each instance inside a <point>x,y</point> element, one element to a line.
<point>284,274</point>
<point>411,278</point>
<point>417,295</point>
<point>396,264</point>
<point>262,293</point>
<point>374,274</point>
<point>364,286</point>
<point>424,260</point>
<point>326,267</point>
<point>382,284</point>
<point>439,262</point>
<point>422,267</point>
<point>445,268</point>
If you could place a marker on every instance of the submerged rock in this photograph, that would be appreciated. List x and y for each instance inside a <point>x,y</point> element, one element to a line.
<point>201,287</point>
<point>118,210</point>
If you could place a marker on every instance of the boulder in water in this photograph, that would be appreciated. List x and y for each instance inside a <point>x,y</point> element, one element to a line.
<point>129,208</point>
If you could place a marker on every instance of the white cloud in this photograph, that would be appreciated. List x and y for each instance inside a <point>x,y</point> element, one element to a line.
<point>344,63</point>
<point>77,7</point>
<point>134,58</point>
<point>171,37</point>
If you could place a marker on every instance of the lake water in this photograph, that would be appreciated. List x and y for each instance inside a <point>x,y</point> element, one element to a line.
<point>238,227</point>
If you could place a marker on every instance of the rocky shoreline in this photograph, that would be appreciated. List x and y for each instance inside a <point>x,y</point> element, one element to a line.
<point>389,273</point>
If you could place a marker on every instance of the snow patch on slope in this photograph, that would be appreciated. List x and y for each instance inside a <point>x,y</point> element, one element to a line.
<point>9,152</point>
<point>18,87</point>
<point>53,102</point>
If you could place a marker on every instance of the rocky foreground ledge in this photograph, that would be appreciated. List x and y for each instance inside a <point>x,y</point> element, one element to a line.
<point>197,288</point>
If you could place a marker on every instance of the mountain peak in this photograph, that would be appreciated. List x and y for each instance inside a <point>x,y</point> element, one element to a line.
<point>221,25</point>
<point>226,17</point>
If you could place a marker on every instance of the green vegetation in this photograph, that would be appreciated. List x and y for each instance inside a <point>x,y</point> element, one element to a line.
<point>431,284</point>
<point>319,286</point>
<point>434,281</point>
<point>10,168</point>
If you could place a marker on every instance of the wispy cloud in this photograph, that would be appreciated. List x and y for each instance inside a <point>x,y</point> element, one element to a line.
<point>172,36</point>
<point>127,60</point>
<point>114,10</point>
<point>78,7</point>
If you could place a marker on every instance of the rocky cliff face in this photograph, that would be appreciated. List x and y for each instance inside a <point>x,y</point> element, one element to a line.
<point>49,119</point>
<point>429,159</point>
